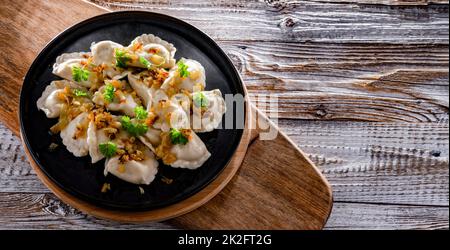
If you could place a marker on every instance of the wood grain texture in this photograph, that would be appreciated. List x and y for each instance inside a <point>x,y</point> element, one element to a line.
<point>347,82</point>
<point>388,163</point>
<point>45,211</point>
<point>381,217</point>
<point>304,21</point>
<point>382,63</point>
<point>382,2</point>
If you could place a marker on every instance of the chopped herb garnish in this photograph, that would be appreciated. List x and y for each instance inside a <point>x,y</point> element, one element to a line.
<point>122,57</point>
<point>144,62</point>
<point>139,129</point>
<point>135,129</point>
<point>126,122</point>
<point>182,69</point>
<point>200,100</point>
<point>80,93</point>
<point>79,74</point>
<point>108,93</point>
<point>108,149</point>
<point>140,112</point>
<point>176,137</point>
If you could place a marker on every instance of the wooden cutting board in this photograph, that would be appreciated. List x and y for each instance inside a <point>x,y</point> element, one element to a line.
<point>276,186</point>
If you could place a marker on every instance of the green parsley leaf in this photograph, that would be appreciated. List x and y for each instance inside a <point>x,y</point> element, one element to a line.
<point>182,69</point>
<point>122,57</point>
<point>79,74</point>
<point>200,100</point>
<point>144,62</point>
<point>108,92</point>
<point>140,112</point>
<point>80,93</point>
<point>135,129</point>
<point>126,122</point>
<point>139,129</point>
<point>176,137</point>
<point>108,149</point>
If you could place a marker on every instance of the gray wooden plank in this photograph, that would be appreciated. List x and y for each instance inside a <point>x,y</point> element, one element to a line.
<point>346,82</point>
<point>395,163</point>
<point>304,21</point>
<point>356,216</point>
<point>384,2</point>
<point>16,174</point>
<point>45,211</point>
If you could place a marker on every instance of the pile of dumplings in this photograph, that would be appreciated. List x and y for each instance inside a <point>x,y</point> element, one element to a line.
<point>133,105</point>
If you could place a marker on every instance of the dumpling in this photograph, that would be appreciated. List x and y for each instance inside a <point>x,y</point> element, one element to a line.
<point>52,100</point>
<point>191,155</point>
<point>182,100</point>
<point>95,137</point>
<point>152,51</point>
<point>194,81</point>
<point>170,114</point>
<point>142,90</point>
<point>137,172</point>
<point>72,66</point>
<point>146,83</point>
<point>74,135</point>
<point>102,127</point>
<point>122,99</point>
<point>126,104</point>
<point>208,110</point>
<point>103,53</point>
<point>152,138</point>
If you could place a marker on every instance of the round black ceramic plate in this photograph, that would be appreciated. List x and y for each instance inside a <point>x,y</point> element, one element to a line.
<point>78,176</point>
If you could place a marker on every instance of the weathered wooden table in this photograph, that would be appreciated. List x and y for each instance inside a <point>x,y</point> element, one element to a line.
<point>363,88</point>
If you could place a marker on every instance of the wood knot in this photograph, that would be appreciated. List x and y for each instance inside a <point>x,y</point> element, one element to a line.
<point>53,206</point>
<point>321,111</point>
<point>243,47</point>
<point>276,4</point>
<point>435,153</point>
<point>288,24</point>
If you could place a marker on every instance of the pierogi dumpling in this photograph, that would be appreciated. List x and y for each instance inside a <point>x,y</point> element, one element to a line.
<point>74,135</point>
<point>137,172</point>
<point>189,75</point>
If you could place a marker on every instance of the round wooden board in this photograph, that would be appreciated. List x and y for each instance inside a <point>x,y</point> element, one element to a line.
<point>163,213</point>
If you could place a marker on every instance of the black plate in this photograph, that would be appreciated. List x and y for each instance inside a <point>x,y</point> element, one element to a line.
<point>84,180</point>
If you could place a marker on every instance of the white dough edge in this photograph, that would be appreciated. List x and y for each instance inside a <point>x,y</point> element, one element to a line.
<point>78,147</point>
<point>150,38</point>
<point>68,56</point>
<point>49,90</point>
